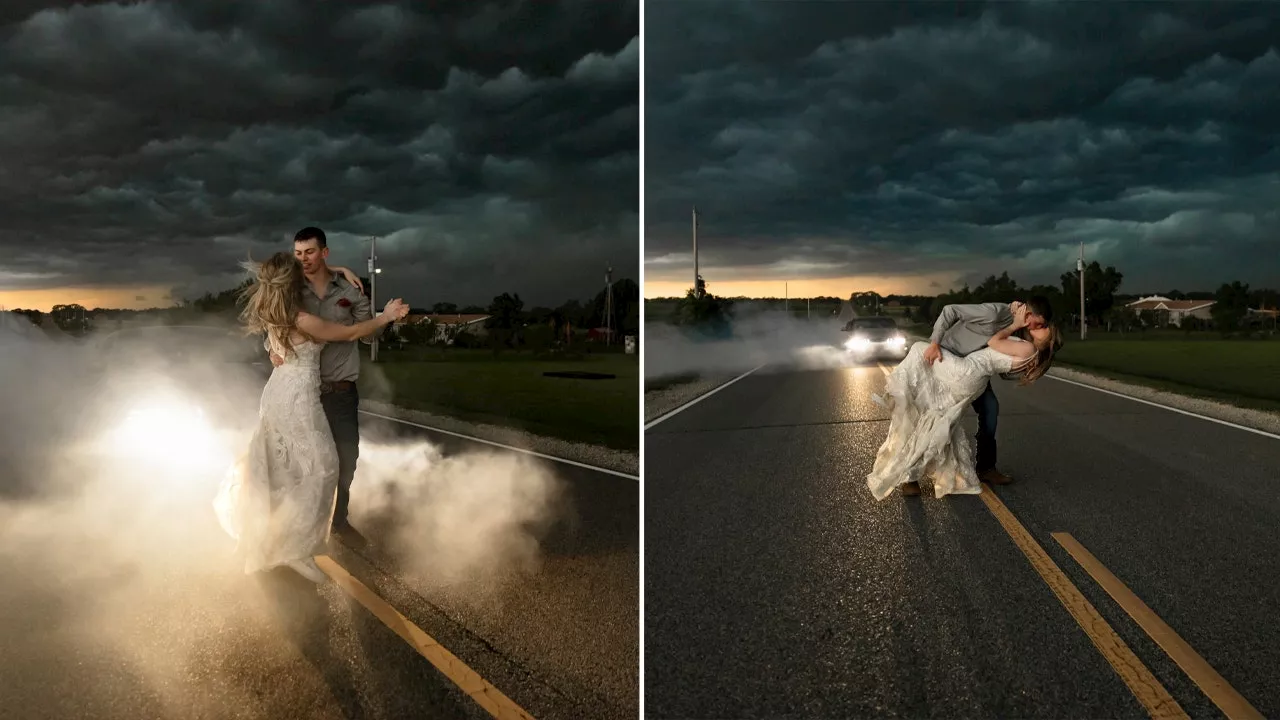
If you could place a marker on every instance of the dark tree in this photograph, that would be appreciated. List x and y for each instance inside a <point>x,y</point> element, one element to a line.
<point>1230,306</point>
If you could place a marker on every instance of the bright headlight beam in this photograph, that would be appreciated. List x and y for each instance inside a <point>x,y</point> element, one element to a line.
<point>171,432</point>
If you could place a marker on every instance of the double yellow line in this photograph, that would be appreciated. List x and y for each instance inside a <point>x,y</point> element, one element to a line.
<point>1136,676</point>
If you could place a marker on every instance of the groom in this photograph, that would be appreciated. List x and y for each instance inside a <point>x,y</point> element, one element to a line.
<point>329,296</point>
<point>964,329</point>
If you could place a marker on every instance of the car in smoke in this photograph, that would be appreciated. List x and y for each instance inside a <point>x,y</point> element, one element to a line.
<point>874,338</point>
<point>167,391</point>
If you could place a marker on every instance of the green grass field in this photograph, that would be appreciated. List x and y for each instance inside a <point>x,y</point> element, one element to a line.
<point>1245,372</point>
<point>510,390</point>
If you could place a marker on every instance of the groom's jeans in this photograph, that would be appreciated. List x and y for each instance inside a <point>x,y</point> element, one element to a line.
<point>988,408</point>
<point>342,409</point>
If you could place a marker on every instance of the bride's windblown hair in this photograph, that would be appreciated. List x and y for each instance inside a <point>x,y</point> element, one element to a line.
<point>274,299</point>
<point>1038,364</point>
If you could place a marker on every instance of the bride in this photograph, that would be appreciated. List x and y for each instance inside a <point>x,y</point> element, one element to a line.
<point>925,434</point>
<point>277,500</point>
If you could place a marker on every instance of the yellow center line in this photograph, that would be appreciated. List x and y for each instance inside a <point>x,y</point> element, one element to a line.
<point>476,687</point>
<point>1141,682</point>
<point>1139,679</point>
<point>1232,703</point>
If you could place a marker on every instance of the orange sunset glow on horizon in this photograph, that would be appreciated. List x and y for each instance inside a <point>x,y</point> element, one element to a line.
<point>815,287</point>
<point>90,298</point>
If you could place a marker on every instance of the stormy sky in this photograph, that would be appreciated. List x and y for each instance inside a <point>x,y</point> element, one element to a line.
<point>913,146</point>
<point>146,148</point>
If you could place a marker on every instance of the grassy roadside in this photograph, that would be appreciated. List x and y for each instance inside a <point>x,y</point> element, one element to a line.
<point>510,390</point>
<point>1240,372</point>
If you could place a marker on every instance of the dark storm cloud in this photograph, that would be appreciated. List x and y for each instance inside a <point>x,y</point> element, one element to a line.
<point>824,139</point>
<point>493,144</point>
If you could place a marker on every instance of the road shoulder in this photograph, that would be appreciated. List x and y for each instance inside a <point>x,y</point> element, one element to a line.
<point>669,397</point>
<point>595,455</point>
<point>1256,419</point>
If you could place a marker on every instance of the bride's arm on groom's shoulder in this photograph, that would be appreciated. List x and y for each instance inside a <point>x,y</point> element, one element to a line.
<point>1003,342</point>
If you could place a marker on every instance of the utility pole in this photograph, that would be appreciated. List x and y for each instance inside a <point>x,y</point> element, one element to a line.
<point>697,286</point>
<point>786,298</point>
<point>608,306</point>
<point>373,293</point>
<point>808,309</point>
<point>1080,267</point>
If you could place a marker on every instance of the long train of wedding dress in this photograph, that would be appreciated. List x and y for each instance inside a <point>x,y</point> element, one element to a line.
<point>278,499</point>
<point>926,437</point>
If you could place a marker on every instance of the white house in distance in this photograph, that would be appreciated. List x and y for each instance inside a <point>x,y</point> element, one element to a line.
<point>1176,309</point>
<point>448,325</point>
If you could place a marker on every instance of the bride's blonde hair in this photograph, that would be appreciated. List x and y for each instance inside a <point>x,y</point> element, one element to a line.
<point>274,299</point>
<point>1034,367</point>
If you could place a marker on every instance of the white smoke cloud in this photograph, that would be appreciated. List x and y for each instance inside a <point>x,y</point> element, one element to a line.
<point>769,338</point>
<point>120,542</point>
<point>456,518</point>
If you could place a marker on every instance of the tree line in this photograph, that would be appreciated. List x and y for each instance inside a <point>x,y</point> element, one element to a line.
<point>1104,306</point>
<point>508,322</point>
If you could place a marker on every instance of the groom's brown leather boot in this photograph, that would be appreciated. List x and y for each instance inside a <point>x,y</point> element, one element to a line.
<point>994,477</point>
<point>910,488</point>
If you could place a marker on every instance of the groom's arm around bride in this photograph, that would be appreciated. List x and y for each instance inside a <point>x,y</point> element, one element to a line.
<point>964,329</point>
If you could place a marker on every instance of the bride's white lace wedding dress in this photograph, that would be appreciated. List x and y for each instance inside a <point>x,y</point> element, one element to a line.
<point>278,499</point>
<point>926,438</point>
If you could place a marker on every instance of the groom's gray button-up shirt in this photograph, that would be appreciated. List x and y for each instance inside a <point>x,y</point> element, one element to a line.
<point>339,361</point>
<point>965,329</point>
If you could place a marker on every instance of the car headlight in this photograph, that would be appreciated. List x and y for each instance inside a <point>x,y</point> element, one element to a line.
<point>897,341</point>
<point>858,343</point>
<point>170,431</point>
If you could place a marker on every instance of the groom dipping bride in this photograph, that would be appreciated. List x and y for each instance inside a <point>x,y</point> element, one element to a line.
<point>929,390</point>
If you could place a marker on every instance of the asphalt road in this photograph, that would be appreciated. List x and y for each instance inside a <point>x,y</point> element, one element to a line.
<point>123,601</point>
<point>776,586</point>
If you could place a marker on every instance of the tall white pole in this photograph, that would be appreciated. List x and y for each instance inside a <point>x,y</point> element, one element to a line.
<point>373,292</point>
<point>696,291</point>
<point>1080,267</point>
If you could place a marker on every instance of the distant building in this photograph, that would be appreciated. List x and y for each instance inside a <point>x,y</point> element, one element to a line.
<point>1172,312</point>
<point>1264,315</point>
<point>450,325</point>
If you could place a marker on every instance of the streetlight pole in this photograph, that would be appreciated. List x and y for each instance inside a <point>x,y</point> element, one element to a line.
<point>608,306</point>
<point>1080,267</point>
<point>373,292</point>
<point>697,293</point>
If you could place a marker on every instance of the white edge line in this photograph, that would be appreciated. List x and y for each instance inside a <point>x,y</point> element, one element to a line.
<point>1256,431</point>
<point>700,398</point>
<point>513,448</point>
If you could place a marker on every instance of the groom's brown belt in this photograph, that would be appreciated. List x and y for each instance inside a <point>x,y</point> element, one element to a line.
<point>328,387</point>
